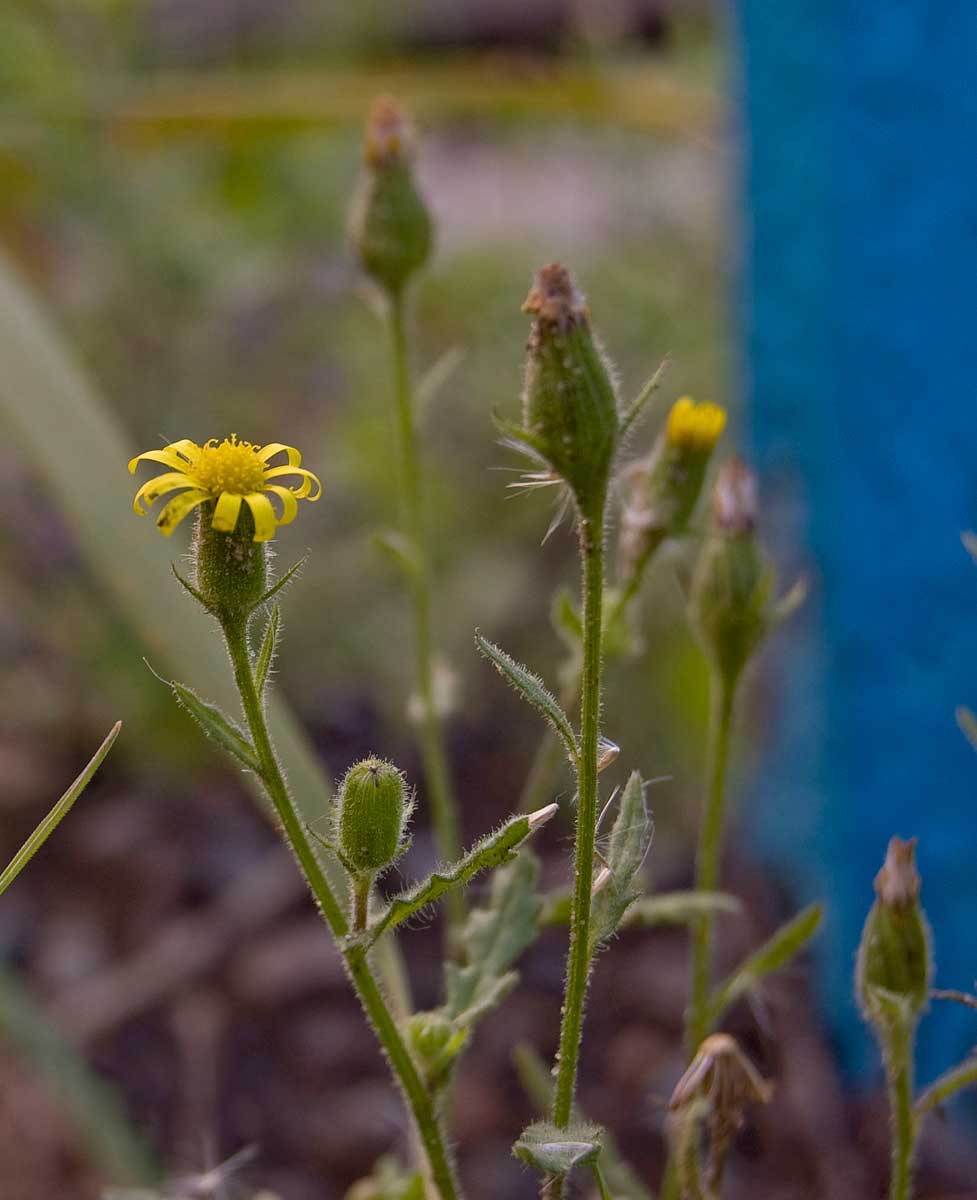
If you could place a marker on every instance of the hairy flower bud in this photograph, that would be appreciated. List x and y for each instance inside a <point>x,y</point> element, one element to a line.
<point>373,812</point>
<point>435,1042</point>
<point>570,412</point>
<point>895,954</point>
<point>729,603</point>
<point>390,226</point>
<point>230,569</point>
<point>663,488</point>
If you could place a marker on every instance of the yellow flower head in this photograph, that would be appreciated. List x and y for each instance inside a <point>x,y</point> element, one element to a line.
<point>229,473</point>
<point>695,427</point>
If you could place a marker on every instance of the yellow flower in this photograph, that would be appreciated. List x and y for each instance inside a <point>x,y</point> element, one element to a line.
<point>695,427</point>
<point>229,473</point>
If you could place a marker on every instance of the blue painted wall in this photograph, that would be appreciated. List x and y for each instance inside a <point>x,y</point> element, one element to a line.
<point>858,309</point>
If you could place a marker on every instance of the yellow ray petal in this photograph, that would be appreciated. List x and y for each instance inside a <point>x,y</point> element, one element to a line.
<point>226,512</point>
<point>290,506</point>
<point>265,521</point>
<point>150,492</point>
<point>167,457</point>
<point>308,481</point>
<point>273,448</point>
<point>189,450</point>
<point>177,509</point>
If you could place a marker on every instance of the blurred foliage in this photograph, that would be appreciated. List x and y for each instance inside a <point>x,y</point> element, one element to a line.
<point>177,191</point>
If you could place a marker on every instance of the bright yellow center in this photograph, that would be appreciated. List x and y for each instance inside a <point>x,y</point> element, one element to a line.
<point>229,466</point>
<point>695,427</point>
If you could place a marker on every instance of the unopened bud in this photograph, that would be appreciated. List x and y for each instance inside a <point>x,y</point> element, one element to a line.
<point>435,1042</point>
<point>390,226</point>
<point>373,813</point>
<point>569,403</point>
<point>895,955</point>
<point>541,816</point>
<point>730,601</point>
<point>662,490</point>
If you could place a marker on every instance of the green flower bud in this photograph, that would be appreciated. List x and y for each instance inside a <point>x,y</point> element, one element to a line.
<point>373,812</point>
<point>664,488</point>
<point>230,569</point>
<point>389,225</point>
<point>729,602</point>
<point>895,955</point>
<point>436,1042</point>
<point>570,412</point>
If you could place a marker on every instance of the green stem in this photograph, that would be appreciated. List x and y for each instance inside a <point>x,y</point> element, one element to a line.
<point>370,996</point>
<point>578,955</point>
<point>722,692</point>
<point>444,812</point>
<point>899,1077</point>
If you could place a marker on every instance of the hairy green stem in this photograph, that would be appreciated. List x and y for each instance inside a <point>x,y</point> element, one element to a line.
<point>444,811</point>
<point>722,692</point>
<point>578,955</point>
<point>899,1079</point>
<point>374,1004</point>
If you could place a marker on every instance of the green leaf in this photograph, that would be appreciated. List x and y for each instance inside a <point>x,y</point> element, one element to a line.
<point>435,377</point>
<point>557,1151</point>
<point>680,908</point>
<point>962,1076</point>
<point>216,725</point>
<point>637,406</point>
<point>492,851</point>
<point>537,1082</point>
<point>615,885</point>
<point>565,618</point>
<point>285,579</point>
<point>57,813</point>
<point>401,551</point>
<point>775,953</point>
<point>968,725</point>
<point>533,690</point>
<point>266,654</point>
<point>494,936</point>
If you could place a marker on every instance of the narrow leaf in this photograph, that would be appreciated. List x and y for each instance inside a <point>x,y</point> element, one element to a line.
<point>533,690</point>
<point>565,618</point>
<point>213,722</point>
<point>962,1076</point>
<point>57,813</point>
<point>557,1151</point>
<point>638,404</point>
<point>266,654</point>
<point>435,377</point>
<point>774,954</point>
<point>629,844</point>
<point>494,936</point>
<point>285,579</point>
<point>680,908</point>
<point>492,851</point>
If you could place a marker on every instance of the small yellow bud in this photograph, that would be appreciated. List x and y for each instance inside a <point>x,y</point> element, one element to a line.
<point>695,427</point>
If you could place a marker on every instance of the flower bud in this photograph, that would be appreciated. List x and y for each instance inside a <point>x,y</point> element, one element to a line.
<point>373,812</point>
<point>435,1042</point>
<point>895,954</point>
<point>664,488</point>
<point>729,601</point>
<point>389,225</point>
<point>230,569</point>
<point>569,405</point>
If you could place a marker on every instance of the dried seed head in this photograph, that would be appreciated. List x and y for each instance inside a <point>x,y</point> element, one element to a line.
<point>373,811</point>
<point>895,960</point>
<point>390,226</point>
<point>570,413</point>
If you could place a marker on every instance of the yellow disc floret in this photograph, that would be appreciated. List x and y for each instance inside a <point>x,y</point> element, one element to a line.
<point>695,427</point>
<point>227,475</point>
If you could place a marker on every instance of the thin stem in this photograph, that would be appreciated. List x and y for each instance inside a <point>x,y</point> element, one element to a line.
<point>722,692</point>
<point>362,887</point>
<point>370,996</point>
<point>899,1077</point>
<point>444,812</point>
<point>578,955</point>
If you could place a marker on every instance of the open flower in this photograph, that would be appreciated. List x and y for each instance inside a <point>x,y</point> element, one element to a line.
<point>227,474</point>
